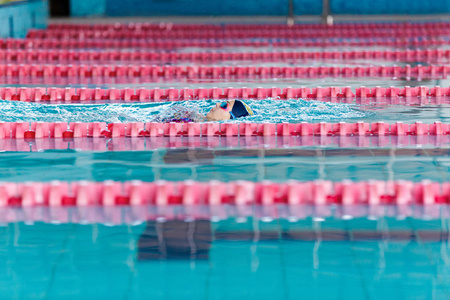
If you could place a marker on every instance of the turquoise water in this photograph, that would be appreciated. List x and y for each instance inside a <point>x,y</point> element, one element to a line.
<point>226,165</point>
<point>230,259</point>
<point>266,110</point>
<point>227,160</point>
<point>313,258</point>
<point>270,110</point>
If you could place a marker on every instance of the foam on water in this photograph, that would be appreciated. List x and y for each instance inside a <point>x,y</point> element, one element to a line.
<point>295,110</point>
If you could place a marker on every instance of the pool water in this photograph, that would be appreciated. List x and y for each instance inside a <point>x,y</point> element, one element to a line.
<point>266,110</point>
<point>235,258</point>
<point>278,165</point>
<point>269,110</point>
<point>333,256</point>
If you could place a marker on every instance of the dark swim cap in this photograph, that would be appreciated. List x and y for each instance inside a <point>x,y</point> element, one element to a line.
<point>240,109</point>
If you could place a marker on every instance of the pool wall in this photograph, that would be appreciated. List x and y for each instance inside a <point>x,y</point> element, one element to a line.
<point>17,18</point>
<point>252,7</point>
<point>389,7</point>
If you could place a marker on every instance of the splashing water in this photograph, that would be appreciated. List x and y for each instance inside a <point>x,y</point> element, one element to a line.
<point>276,111</point>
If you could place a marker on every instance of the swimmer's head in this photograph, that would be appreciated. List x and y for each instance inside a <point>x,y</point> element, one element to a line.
<point>231,109</point>
<point>221,111</point>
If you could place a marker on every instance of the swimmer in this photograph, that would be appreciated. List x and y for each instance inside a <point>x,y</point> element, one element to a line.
<point>222,111</point>
<point>231,109</point>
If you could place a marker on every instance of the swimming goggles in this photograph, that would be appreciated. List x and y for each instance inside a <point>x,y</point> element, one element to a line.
<point>224,106</point>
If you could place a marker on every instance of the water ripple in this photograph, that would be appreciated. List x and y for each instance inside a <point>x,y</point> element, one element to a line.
<point>293,111</point>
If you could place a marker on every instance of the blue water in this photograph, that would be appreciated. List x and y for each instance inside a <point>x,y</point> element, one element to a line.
<point>269,110</point>
<point>225,165</point>
<point>229,259</point>
<point>385,258</point>
<point>313,258</point>
<point>266,110</point>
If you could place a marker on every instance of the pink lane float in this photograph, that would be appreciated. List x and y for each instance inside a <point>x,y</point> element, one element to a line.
<point>221,33</point>
<point>136,202</point>
<point>75,56</point>
<point>220,72</point>
<point>163,193</point>
<point>38,130</point>
<point>98,43</point>
<point>344,94</point>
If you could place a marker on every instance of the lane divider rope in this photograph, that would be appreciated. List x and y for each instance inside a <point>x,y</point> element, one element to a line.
<point>11,43</point>
<point>221,72</point>
<point>71,56</point>
<point>239,193</point>
<point>290,33</point>
<point>392,95</point>
<point>36,130</point>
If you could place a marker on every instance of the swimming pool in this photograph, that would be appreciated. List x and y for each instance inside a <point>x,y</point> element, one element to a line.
<point>277,165</point>
<point>333,259</point>
<point>321,250</point>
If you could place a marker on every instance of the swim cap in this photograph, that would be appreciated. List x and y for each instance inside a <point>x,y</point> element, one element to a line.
<point>240,109</point>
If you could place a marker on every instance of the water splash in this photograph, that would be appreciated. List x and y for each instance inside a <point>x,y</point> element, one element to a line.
<point>293,111</point>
